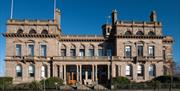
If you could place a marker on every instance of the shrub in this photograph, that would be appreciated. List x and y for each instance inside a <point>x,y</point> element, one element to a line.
<point>52,82</point>
<point>35,85</point>
<point>120,82</point>
<point>5,82</point>
<point>22,86</point>
<point>167,79</point>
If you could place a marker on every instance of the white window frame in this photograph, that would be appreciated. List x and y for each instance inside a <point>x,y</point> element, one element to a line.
<point>127,49</point>
<point>151,48</point>
<point>129,70</point>
<point>19,53</point>
<point>19,69</point>
<point>31,70</point>
<point>28,52</point>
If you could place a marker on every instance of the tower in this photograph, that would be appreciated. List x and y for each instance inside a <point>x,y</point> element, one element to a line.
<point>153,16</point>
<point>114,17</point>
<point>58,17</point>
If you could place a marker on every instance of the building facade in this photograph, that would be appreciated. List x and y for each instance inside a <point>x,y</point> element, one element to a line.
<point>37,49</point>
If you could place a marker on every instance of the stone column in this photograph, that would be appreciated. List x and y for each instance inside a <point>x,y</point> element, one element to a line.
<point>81,74</point>
<point>65,74</point>
<point>119,70</point>
<point>77,73</point>
<point>93,72</point>
<point>109,73</point>
<point>55,69</point>
<point>146,76</point>
<point>86,75</point>
<point>61,71</point>
<point>96,73</point>
<point>48,70</point>
<point>113,70</point>
<point>134,74</point>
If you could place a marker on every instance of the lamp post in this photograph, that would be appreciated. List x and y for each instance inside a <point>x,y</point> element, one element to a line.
<point>112,87</point>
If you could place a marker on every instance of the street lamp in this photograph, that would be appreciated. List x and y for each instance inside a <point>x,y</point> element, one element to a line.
<point>112,87</point>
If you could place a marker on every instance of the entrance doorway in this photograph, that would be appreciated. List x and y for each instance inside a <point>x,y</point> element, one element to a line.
<point>87,74</point>
<point>102,74</point>
<point>71,74</point>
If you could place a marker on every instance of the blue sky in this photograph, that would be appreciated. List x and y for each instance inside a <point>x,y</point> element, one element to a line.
<point>87,16</point>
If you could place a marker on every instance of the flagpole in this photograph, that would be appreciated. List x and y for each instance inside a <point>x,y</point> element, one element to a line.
<point>54,9</point>
<point>12,9</point>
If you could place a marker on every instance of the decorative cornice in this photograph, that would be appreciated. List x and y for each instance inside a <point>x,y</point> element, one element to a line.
<point>139,37</point>
<point>31,35</point>
<point>82,40</point>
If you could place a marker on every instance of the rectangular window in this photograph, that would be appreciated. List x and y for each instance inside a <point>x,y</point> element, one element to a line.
<point>100,52</point>
<point>164,54</point>
<point>91,52</point>
<point>151,51</point>
<point>140,70</point>
<point>43,50</point>
<point>140,50</point>
<point>72,52</point>
<point>128,51</point>
<point>31,50</point>
<point>109,52</point>
<point>81,52</point>
<point>128,70</point>
<point>63,52</point>
<point>18,50</point>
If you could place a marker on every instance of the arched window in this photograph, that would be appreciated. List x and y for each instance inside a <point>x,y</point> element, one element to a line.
<point>140,33</point>
<point>19,70</point>
<point>32,31</point>
<point>91,50</point>
<point>128,51</point>
<point>44,31</point>
<point>128,33</point>
<point>73,50</point>
<point>100,50</point>
<point>19,31</point>
<point>152,70</point>
<point>129,70</point>
<point>140,70</point>
<point>63,50</point>
<point>82,50</point>
<point>151,33</point>
<point>44,71</point>
<point>31,70</point>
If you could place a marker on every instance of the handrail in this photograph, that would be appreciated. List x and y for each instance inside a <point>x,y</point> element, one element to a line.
<point>73,58</point>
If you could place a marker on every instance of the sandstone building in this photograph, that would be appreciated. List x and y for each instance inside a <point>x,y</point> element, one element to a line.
<point>37,49</point>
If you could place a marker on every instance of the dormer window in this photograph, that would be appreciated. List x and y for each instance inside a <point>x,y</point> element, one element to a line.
<point>32,31</point>
<point>44,31</point>
<point>151,33</point>
<point>139,33</point>
<point>128,33</point>
<point>20,31</point>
